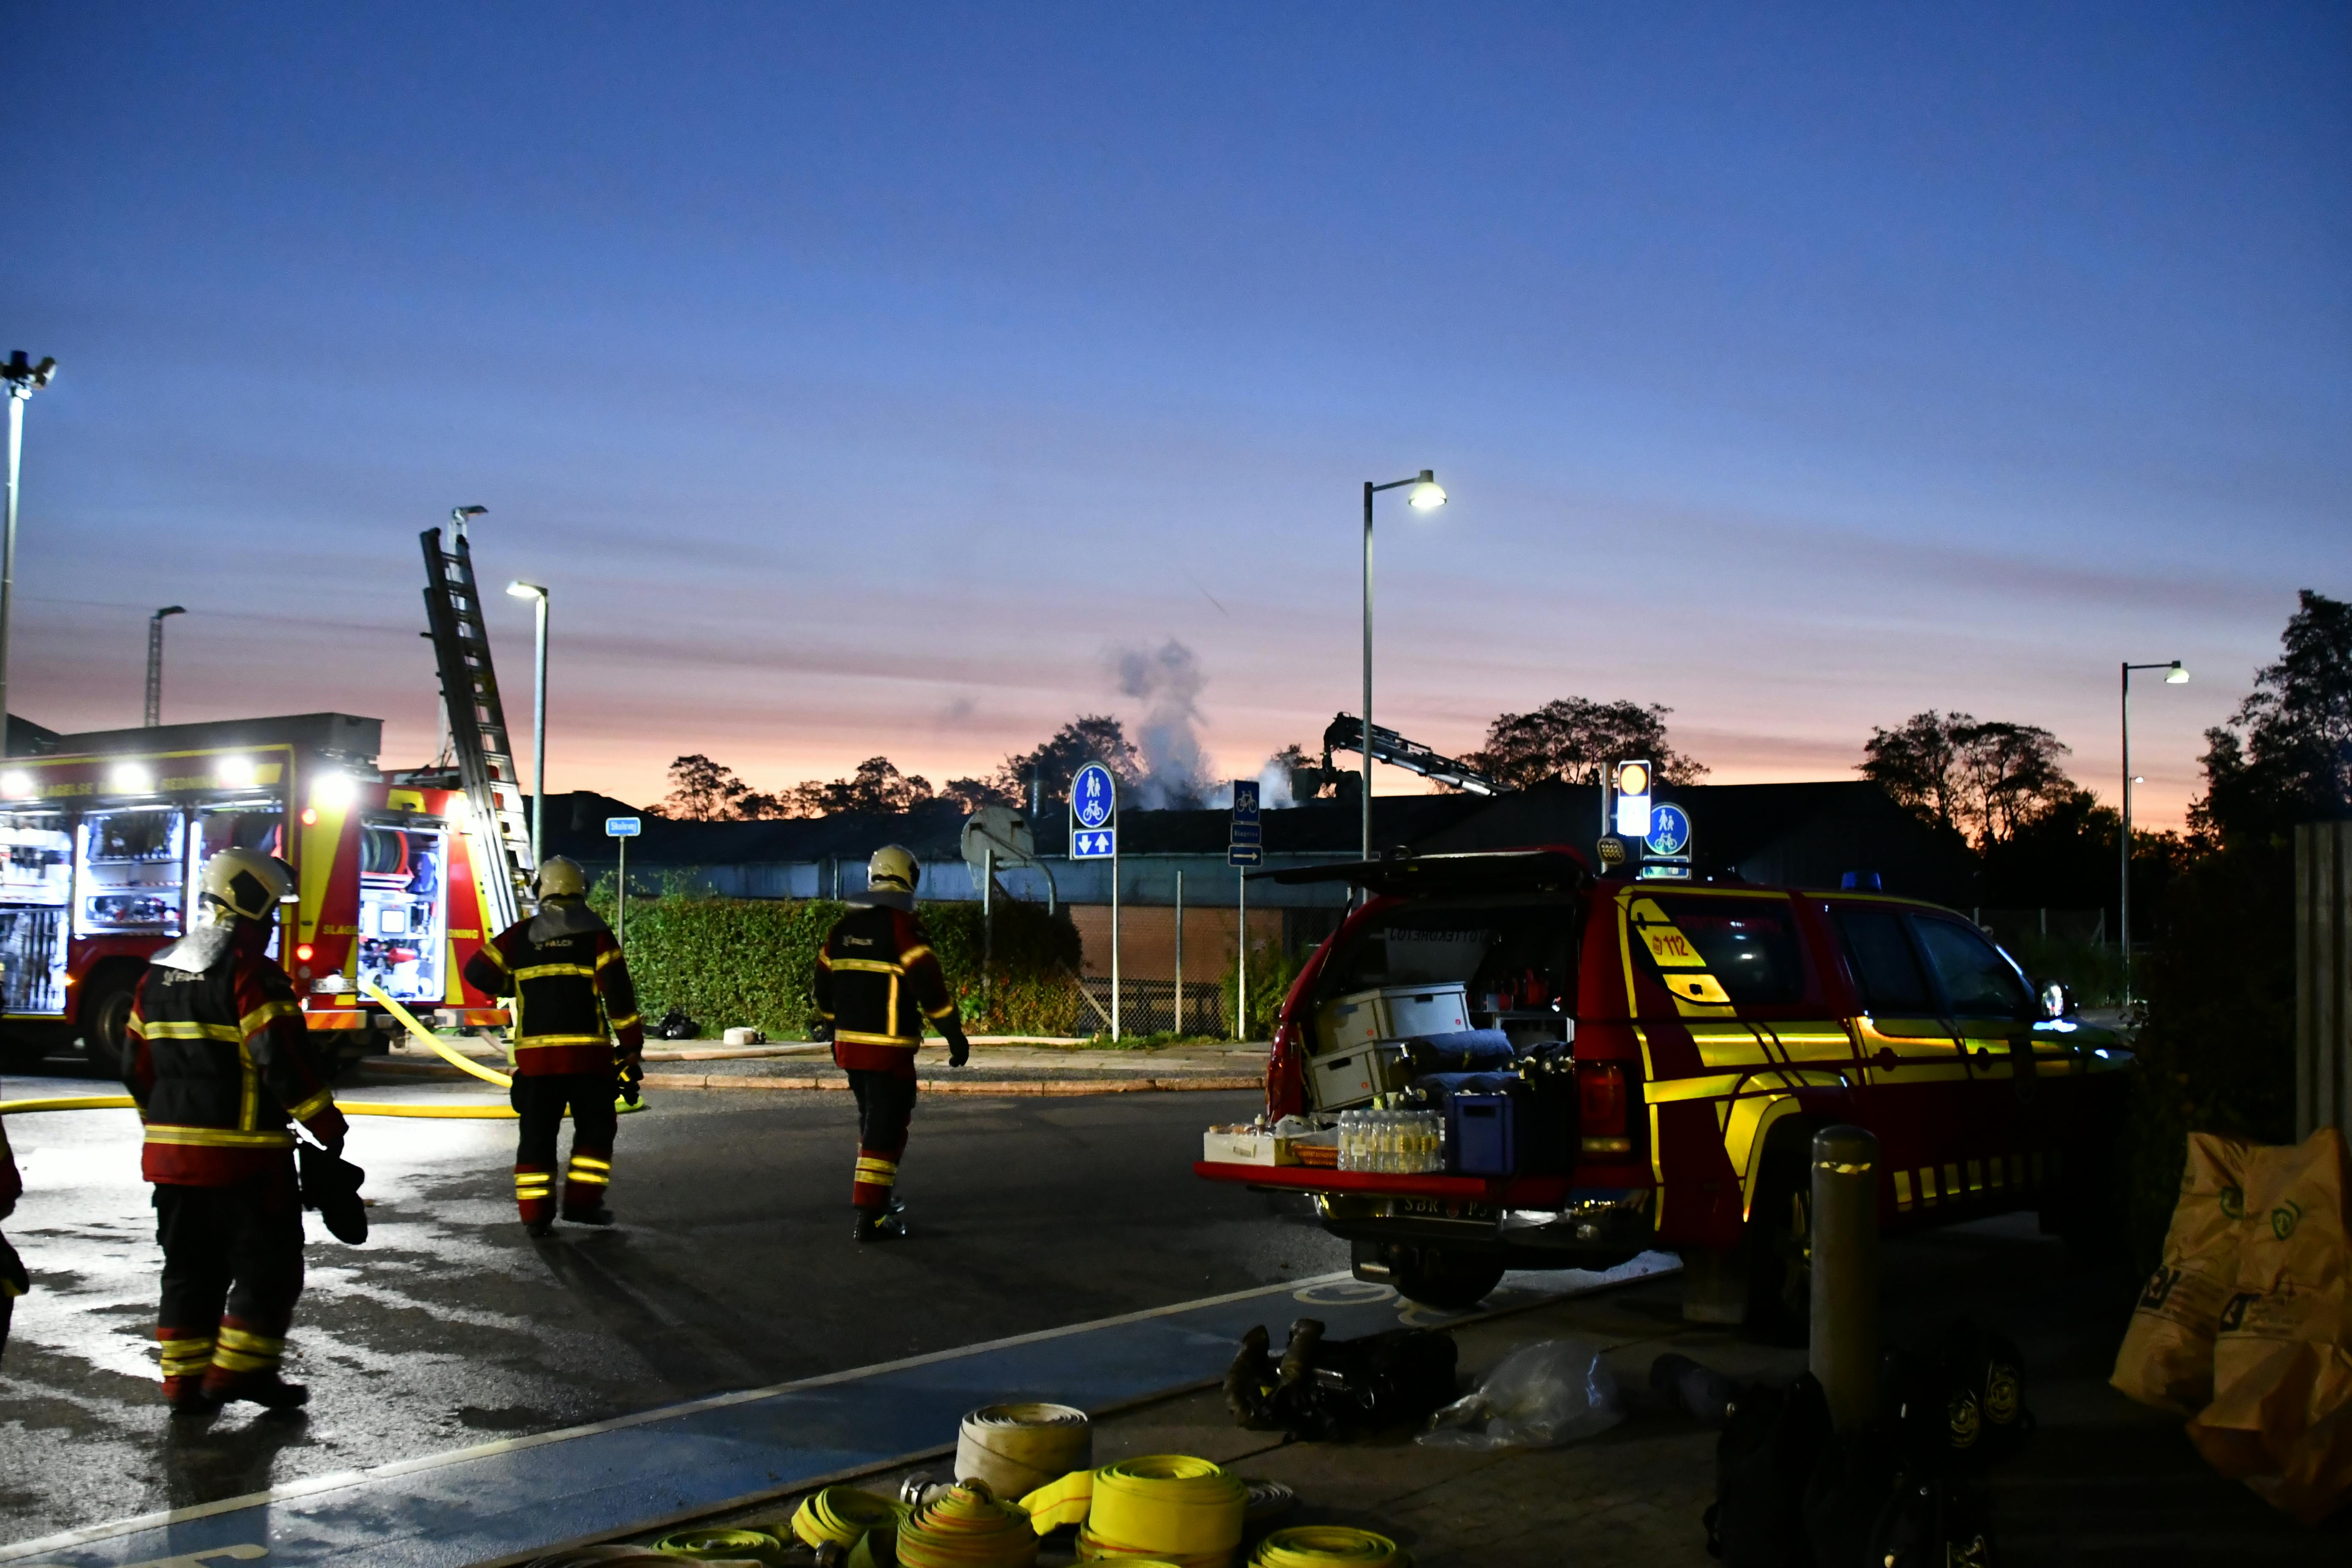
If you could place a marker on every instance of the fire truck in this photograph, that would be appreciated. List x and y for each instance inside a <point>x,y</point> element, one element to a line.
<point>100,843</point>
<point>400,876</point>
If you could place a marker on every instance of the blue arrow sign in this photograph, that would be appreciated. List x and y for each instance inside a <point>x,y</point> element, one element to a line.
<point>1098,844</point>
<point>622,826</point>
<point>1094,798</point>
<point>1244,855</point>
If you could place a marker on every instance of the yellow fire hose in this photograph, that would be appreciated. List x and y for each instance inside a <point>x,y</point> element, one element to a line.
<point>1328,1546</point>
<point>843,1515</point>
<point>968,1528</point>
<point>1167,1506</point>
<point>439,1046</point>
<point>721,1545</point>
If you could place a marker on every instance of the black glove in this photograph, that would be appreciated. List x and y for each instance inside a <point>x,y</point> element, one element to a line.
<point>821,1030</point>
<point>633,1073</point>
<point>959,1049</point>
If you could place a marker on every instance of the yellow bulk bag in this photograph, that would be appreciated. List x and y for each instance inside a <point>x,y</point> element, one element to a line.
<point>2166,1357</point>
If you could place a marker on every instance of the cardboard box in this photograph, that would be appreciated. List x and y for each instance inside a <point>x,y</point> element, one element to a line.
<point>1391,1013</point>
<point>1249,1147</point>
<point>1337,1082</point>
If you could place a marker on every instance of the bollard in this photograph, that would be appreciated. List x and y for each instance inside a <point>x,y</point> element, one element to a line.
<point>1844,1356</point>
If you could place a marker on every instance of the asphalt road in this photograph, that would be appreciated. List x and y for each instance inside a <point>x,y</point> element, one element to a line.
<point>732,1267</point>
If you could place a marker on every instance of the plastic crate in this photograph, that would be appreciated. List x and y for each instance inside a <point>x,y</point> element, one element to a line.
<point>1505,1134</point>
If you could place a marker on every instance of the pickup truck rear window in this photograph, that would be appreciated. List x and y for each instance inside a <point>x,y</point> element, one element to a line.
<point>1749,945</point>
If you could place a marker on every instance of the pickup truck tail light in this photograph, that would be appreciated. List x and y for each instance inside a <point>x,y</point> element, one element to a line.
<point>1602,1109</point>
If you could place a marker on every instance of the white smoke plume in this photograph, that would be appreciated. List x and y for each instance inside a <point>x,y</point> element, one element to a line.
<point>1167,680</point>
<point>1272,789</point>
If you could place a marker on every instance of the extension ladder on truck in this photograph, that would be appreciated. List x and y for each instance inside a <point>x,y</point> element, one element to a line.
<point>477,726</point>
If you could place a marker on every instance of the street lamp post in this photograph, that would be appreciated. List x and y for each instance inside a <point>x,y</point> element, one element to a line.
<point>24,379</point>
<point>538,594</point>
<point>155,662</point>
<point>2174,675</point>
<point>1426,496</point>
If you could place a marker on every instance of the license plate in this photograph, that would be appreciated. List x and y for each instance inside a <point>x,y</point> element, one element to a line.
<point>1443,1208</point>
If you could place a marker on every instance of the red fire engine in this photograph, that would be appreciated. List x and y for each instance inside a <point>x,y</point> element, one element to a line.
<point>101,841</point>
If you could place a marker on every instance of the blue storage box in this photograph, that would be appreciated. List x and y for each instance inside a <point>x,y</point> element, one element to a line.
<point>1508,1134</point>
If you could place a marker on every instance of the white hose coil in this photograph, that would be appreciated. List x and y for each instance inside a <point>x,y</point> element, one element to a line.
<point>1016,1448</point>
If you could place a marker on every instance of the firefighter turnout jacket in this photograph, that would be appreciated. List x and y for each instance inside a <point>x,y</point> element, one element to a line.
<point>220,1059</point>
<point>572,991</point>
<point>876,980</point>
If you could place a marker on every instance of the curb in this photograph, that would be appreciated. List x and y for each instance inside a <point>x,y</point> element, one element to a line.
<point>961,1085</point>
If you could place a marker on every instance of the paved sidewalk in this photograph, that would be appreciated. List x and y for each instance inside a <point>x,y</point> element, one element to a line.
<point>2104,1481</point>
<point>999,1066</point>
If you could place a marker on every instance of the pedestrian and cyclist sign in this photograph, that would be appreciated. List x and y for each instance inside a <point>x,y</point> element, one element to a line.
<point>1247,844</point>
<point>1094,813</point>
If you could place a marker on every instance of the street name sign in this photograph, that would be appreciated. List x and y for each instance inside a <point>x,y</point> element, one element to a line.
<point>622,826</point>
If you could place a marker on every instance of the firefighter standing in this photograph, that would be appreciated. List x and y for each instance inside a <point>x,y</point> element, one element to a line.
<point>572,996</point>
<point>13,1281</point>
<point>876,980</point>
<point>219,1062</point>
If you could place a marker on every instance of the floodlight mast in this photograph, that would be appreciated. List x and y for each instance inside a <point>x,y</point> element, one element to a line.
<point>23,378</point>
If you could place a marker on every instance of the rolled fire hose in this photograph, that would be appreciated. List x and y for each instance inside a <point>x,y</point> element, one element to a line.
<point>1328,1546</point>
<point>968,1528</point>
<point>1016,1448</point>
<point>1160,1505</point>
<point>843,1515</point>
<point>721,1545</point>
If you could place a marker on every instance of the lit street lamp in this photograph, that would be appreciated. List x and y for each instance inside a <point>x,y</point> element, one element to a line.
<point>538,722</point>
<point>24,379</point>
<point>1427,496</point>
<point>155,662</point>
<point>2174,675</point>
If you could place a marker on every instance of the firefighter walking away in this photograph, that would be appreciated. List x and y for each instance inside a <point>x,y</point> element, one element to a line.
<point>219,1064</point>
<point>572,999</point>
<point>877,981</point>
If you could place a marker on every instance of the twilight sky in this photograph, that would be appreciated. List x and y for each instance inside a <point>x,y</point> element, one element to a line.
<point>870,379</point>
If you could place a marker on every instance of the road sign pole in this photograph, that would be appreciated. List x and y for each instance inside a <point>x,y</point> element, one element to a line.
<point>1241,944</point>
<point>1114,942</point>
<point>621,908</point>
<point>1180,950</point>
<point>987,917</point>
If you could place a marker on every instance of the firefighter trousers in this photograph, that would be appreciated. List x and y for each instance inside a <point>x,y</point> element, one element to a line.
<point>232,1273</point>
<point>885,1102</point>
<point>540,1101</point>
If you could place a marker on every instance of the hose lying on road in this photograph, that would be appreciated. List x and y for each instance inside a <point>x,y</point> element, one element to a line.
<point>1328,1546</point>
<point>1016,1448</point>
<point>440,1047</point>
<point>843,1515</point>
<point>722,1545</point>
<point>348,1107</point>
<point>968,1528</point>
<point>1167,1506</point>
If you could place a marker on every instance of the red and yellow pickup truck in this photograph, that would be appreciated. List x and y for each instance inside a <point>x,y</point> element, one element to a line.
<point>1684,1041</point>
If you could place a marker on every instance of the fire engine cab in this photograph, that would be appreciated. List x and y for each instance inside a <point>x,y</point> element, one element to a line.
<point>101,838</point>
<point>1501,1060</point>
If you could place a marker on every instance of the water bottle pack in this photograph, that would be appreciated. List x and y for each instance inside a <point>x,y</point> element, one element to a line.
<point>1393,1142</point>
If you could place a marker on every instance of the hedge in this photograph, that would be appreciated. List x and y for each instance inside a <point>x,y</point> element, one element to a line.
<point>737,963</point>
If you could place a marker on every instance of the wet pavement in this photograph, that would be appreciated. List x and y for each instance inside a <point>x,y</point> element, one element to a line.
<point>733,1268</point>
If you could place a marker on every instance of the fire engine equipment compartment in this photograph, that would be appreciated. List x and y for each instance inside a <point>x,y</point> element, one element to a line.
<point>134,872</point>
<point>403,907</point>
<point>35,880</point>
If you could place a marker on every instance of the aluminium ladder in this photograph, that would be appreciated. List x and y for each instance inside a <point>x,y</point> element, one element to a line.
<point>477,727</point>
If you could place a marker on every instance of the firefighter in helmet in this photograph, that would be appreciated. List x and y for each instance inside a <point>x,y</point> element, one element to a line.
<point>219,1064</point>
<point>876,980</point>
<point>572,999</point>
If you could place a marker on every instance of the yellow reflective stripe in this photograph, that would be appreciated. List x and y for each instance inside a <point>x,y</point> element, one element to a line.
<point>248,1110</point>
<point>823,960</point>
<point>555,972</point>
<point>589,1178</point>
<point>230,1359</point>
<point>218,1138</point>
<point>261,1017</point>
<point>490,951</point>
<point>310,1107</point>
<point>181,1357</point>
<point>588,1162</point>
<point>246,1339</point>
<point>631,1022</point>
<point>611,955</point>
<point>868,966</point>
<point>1708,1087</point>
<point>853,1037</point>
<point>912,954</point>
<point>228,1034</point>
<point>944,1011</point>
<point>540,1042</point>
<point>1728,1046</point>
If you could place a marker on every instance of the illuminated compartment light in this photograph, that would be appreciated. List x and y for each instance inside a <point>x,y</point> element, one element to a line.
<point>334,791</point>
<point>310,817</point>
<point>237,773</point>
<point>130,778</point>
<point>302,952</point>
<point>16,784</point>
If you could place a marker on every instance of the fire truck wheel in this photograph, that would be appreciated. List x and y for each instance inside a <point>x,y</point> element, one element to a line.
<point>1779,1245</point>
<point>106,1017</point>
<point>1434,1276</point>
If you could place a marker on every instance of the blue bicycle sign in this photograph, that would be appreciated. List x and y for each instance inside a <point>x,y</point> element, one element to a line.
<point>1093,796</point>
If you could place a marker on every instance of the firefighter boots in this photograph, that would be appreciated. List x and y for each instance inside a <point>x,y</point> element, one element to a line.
<point>882,1224</point>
